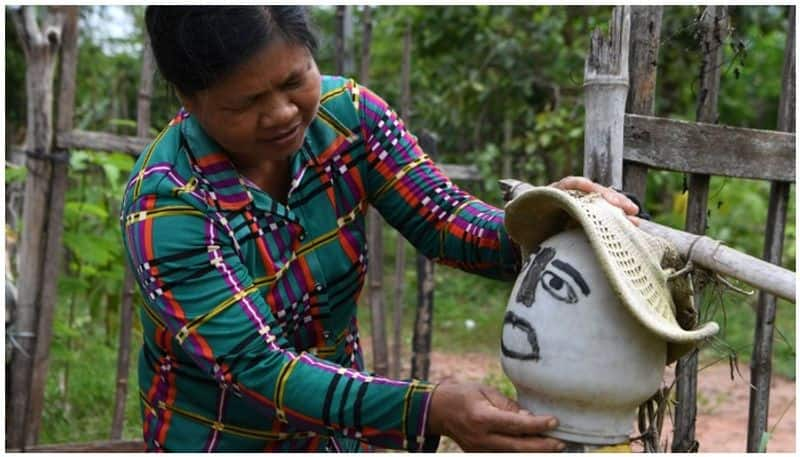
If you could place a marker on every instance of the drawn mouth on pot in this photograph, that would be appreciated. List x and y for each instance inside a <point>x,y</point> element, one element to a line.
<point>521,324</point>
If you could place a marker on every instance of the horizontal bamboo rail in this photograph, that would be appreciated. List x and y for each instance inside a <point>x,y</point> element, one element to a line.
<point>96,446</point>
<point>708,253</point>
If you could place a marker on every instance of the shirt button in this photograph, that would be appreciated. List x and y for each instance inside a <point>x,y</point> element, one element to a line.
<point>318,287</point>
<point>302,236</point>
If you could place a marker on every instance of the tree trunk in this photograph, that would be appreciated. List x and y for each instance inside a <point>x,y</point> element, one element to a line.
<point>43,207</point>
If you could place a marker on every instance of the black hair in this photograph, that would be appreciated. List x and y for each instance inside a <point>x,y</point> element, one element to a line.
<point>196,46</point>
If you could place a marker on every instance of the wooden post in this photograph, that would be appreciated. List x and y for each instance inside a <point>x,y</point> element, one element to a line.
<point>605,90</point>
<point>128,283</point>
<point>761,360</point>
<point>366,43</point>
<point>643,65</point>
<point>400,245</point>
<point>423,324</point>
<point>380,346</point>
<point>123,354</point>
<point>508,158</point>
<point>344,37</point>
<point>714,28</point>
<point>45,187</point>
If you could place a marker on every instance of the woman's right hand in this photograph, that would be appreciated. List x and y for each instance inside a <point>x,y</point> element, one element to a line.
<point>479,418</point>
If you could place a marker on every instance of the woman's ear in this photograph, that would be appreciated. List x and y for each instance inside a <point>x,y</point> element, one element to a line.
<point>187,102</point>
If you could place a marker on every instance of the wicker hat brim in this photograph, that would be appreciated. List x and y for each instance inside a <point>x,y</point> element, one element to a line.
<point>628,256</point>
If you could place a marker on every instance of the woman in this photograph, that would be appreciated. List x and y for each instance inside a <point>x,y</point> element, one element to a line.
<point>244,223</point>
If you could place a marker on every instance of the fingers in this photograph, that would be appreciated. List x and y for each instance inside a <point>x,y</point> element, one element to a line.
<point>612,196</point>
<point>619,200</point>
<point>519,424</point>
<point>489,420</point>
<point>577,183</point>
<point>508,418</point>
<point>499,400</point>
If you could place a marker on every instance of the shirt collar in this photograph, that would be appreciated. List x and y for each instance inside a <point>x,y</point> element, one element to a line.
<point>229,191</point>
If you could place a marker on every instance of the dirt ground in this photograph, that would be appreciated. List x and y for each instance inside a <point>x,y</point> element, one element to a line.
<point>722,406</point>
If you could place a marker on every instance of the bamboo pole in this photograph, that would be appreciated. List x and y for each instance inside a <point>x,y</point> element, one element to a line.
<point>605,91</point>
<point>706,253</point>
<point>761,360</point>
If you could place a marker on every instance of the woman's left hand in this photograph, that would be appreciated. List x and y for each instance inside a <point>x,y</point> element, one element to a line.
<point>612,196</point>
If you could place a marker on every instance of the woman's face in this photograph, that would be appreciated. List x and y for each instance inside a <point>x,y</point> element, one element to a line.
<point>261,111</point>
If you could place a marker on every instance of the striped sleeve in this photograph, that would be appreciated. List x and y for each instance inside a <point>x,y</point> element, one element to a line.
<point>198,292</point>
<point>447,224</point>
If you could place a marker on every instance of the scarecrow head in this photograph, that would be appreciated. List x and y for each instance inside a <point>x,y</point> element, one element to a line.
<point>591,320</point>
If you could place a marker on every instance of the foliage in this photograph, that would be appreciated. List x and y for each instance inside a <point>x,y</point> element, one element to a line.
<point>87,319</point>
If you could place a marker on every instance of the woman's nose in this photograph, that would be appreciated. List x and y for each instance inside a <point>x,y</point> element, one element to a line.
<point>278,113</point>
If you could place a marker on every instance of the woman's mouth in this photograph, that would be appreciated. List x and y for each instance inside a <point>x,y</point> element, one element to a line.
<point>283,136</point>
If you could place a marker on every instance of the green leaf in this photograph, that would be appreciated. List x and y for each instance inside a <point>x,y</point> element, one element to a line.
<point>87,249</point>
<point>15,173</point>
<point>83,209</point>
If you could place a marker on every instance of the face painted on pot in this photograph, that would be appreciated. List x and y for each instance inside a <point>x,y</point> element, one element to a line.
<point>568,343</point>
<point>553,277</point>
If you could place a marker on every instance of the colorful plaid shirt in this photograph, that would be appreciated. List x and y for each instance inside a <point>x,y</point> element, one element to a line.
<point>249,312</point>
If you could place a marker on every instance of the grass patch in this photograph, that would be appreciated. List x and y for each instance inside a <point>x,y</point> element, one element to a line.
<point>82,409</point>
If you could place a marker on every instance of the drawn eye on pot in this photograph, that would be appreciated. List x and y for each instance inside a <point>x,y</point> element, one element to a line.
<point>558,282</point>
<point>557,277</point>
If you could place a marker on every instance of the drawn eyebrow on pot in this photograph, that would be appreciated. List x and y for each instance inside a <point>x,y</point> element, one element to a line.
<point>527,293</point>
<point>576,276</point>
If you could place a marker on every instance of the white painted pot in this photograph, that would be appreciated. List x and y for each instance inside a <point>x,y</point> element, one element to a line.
<point>573,350</point>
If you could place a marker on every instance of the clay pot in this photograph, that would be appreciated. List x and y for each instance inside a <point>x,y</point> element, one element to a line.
<point>573,350</point>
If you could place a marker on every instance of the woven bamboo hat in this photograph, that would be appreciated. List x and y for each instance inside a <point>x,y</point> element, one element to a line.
<point>637,265</point>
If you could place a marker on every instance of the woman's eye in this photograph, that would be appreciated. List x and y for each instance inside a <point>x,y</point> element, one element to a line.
<point>558,288</point>
<point>240,106</point>
<point>293,83</point>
